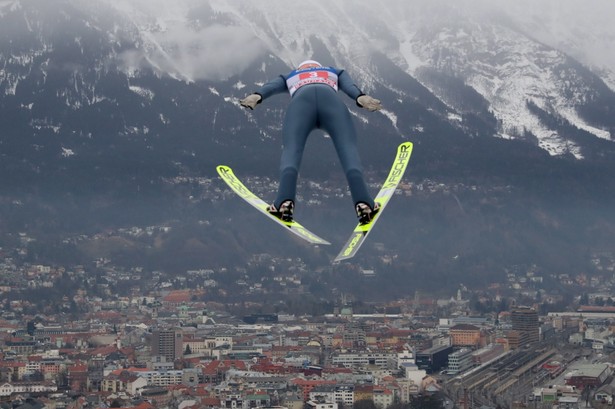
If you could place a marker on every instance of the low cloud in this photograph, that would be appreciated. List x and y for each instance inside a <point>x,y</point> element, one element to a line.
<point>216,52</point>
<point>213,53</point>
<point>219,51</point>
<point>173,44</point>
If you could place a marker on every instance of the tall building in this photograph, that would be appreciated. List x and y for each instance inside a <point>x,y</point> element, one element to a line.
<point>434,358</point>
<point>525,321</point>
<point>465,335</point>
<point>460,361</point>
<point>167,343</point>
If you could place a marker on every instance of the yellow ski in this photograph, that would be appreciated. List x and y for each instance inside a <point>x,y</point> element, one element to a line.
<point>226,173</point>
<point>385,194</point>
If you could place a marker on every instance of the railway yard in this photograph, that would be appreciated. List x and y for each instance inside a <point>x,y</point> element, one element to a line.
<point>509,380</point>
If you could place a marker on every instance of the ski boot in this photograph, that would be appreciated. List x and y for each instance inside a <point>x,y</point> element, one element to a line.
<point>285,212</point>
<point>365,213</point>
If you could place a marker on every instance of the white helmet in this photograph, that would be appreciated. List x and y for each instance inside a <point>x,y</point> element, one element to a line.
<point>309,64</point>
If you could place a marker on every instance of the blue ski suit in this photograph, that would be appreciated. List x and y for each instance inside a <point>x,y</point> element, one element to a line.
<point>316,105</point>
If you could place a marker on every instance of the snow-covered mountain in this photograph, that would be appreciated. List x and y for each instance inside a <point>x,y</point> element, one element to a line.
<point>510,54</point>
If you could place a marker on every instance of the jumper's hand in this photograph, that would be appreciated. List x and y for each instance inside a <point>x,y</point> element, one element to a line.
<point>369,103</point>
<point>250,101</point>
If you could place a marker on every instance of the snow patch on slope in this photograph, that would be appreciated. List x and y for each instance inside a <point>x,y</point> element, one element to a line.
<point>143,92</point>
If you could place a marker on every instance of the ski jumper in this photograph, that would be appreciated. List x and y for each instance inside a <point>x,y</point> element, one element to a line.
<point>316,105</point>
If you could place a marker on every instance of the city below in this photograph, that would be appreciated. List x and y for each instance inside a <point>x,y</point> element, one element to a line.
<point>195,341</point>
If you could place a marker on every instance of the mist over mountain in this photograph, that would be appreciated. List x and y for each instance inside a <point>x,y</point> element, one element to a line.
<point>114,114</point>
